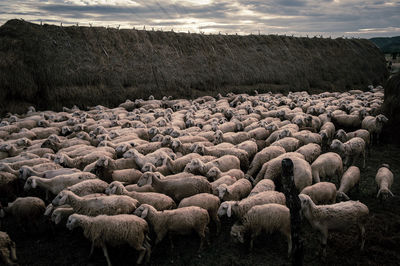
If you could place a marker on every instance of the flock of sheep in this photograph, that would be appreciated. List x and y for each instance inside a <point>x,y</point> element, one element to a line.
<point>151,168</point>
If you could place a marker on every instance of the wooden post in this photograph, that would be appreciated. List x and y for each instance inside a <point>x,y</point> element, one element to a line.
<point>294,205</point>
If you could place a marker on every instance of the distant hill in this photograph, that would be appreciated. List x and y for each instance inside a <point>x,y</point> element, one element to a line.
<point>50,66</point>
<point>388,45</point>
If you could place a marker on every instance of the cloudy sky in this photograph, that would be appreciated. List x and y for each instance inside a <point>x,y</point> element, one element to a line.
<point>334,18</point>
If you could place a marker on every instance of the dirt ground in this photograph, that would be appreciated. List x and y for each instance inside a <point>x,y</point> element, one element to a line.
<point>382,245</point>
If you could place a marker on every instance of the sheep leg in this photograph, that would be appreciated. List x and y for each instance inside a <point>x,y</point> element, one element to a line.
<point>91,250</point>
<point>171,242</point>
<point>147,245</point>
<point>105,251</point>
<point>217,223</point>
<point>13,251</point>
<point>289,240</point>
<point>362,236</point>
<point>363,157</point>
<point>4,257</point>
<point>142,251</point>
<point>324,239</point>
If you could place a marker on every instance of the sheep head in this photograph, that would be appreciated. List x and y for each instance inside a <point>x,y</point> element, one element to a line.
<point>157,138</point>
<point>167,141</point>
<point>176,143</point>
<point>146,179</point>
<point>148,167</point>
<point>384,194</point>
<point>337,145</point>
<point>237,233</point>
<point>30,183</point>
<point>341,135</point>
<point>73,221</point>
<point>142,211</point>
<point>25,172</point>
<point>103,162</point>
<point>225,208</point>
<point>195,166</point>
<point>49,210</point>
<point>306,203</point>
<point>65,130</point>
<point>132,153</point>
<point>341,196</point>
<point>61,198</point>
<point>5,147</point>
<point>382,119</point>
<point>59,159</point>
<point>213,173</point>
<point>56,217</point>
<point>222,191</point>
<point>115,188</point>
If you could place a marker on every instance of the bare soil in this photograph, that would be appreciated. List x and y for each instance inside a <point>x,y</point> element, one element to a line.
<point>62,247</point>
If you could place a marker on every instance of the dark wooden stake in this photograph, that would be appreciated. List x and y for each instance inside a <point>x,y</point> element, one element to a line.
<point>294,205</point>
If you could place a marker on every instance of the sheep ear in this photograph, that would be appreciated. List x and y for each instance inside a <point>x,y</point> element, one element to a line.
<point>390,192</point>
<point>149,180</point>
<point>229,211</point>
<point>112,191</point>
<point>106,162</point>
<point>33,183</point>
<point>379,193</point>
<point>144,213</point>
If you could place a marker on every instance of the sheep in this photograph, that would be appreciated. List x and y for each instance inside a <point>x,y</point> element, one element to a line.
<point>107,169</point>
<point>224,164</point>
<point>177,166</point>
<point>26,171</point>
<point>206,201</point>
<point>27,209</point>
<point>346,121</point>
<point>321,193</point>
<point>289,144</point>
<point>236,191</point>
<point>157,200</point>
<point>114,230</point>
<point>327,133</point>
<point>227,180</point>
<point>93,206</point>
<point>231,137</point>
<point>264,156</point>
<point>338,216</point>
<point>263,185</point>
<point>327,165</point>
<point>214,173</point>
<point>264,218</point>
<point>177,189</point>
<point>302,170</point>
<point>384,180</point>
<point>8,253</point>
<point>240,208</point>
<point>349,179</point>
<point>178,221</point>
<point>81,161</point>
<point>61,214</point>
<point>374,125</point>
<point>310,151</point>
<point>353,148</point>
<point>88,187</point>
<point>56,184</point>
<point>156,158</point>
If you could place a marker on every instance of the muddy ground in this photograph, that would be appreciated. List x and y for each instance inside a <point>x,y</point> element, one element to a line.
<point>382,245</point>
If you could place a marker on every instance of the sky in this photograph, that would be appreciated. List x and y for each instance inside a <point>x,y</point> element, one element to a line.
<point>329,18</point>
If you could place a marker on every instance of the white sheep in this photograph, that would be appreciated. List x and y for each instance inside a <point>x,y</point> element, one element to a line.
<point>236,191</point>
<point>224,164</point>
<point>353,148</point>
<point>214,173</point>
<point>290,144</point>
<point>384,180</point>
<point>374,125</point>
<point>327,133</point>
<point>206,201</point>
<point>114,230</point>
<point>8,253</point>
<point>321,193</point>
<point>264,156</point>
<point>339,216</point>
<point>88,187</point>
<point>263,185</point>
<point>157,200</point>
<point>349,179</point>
<point>93,206</point>
<point>264,218</point>
<point>240,208</point>
<point>227,180</point>
<point>327,165</point>
<point>58,183</point>
<point>180,221</point>
<point>177,189</point>
<point>310,151</point>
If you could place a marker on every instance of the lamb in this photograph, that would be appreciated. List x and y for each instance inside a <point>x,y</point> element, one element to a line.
<point>374,125</point>
<point>56,184</point>
<point>178,221</point>
<point>384,180</point>
<point>354,148</point>
<point>327,165</point>
<point>236,191</point>
<point>177,189</point>
<point>240,208</point>
<point>224,164</point>
<point>264,156</point>
<point>93,206</point>
<point>114,230</point>
<point>267,218</point>
<point>349,179</point>
<point>206,201</point>
<point>338,216</point>
<point>321,193</point>
<point>26,210</point>
<point>214,173</point>
<point>310,151</point>
<point>8,253</point>
<point>263,185</point>
<point>157,200</point>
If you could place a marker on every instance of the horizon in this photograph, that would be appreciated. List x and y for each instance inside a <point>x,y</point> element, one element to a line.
<point>300,18</point>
